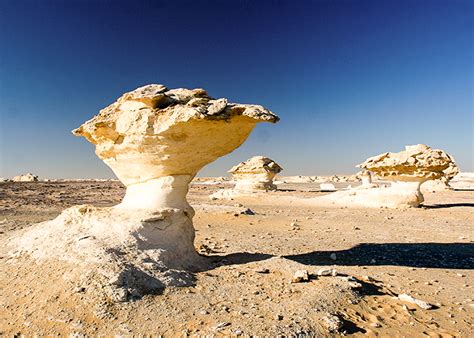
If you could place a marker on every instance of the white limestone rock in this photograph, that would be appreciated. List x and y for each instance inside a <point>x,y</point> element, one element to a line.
<point>155,140</point>
<point>327,187</point>
<point>366,180</point>
<point>255,174</point>
<point>25,178</point>
<point>252,176</point>
<point>406,171</point>
<point>463,181</point>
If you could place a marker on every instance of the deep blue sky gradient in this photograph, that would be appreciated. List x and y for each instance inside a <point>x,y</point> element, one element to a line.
<point>349,79</point>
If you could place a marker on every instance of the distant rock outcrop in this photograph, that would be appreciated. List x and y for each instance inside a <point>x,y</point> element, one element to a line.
<point>25,178</point>
<point>257,173</point>
<point>252,176</point>
<point>406,170</point>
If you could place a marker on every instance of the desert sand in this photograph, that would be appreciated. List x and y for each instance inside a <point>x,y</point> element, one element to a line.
<point>252,251</point>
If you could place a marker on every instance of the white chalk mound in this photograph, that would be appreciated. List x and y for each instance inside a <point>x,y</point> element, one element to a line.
<point>155,140</point>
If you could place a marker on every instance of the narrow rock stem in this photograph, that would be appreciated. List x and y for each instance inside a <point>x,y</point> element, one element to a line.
<point>159,193</point>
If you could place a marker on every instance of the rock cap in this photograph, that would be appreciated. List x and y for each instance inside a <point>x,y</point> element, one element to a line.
<point>153,131</point>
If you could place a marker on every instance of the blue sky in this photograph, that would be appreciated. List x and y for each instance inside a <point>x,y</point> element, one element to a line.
<point>349,79</point>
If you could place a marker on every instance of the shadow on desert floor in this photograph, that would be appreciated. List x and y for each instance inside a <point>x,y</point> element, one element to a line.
<point>448,205</point>
<point>420,255</point>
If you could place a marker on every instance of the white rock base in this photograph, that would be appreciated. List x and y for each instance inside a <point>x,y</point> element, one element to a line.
<point>435,186</point>
<point>398,195</point>
<point>132,252</point>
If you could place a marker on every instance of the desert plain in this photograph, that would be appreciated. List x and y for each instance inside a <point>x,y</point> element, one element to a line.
<point>358,260</point>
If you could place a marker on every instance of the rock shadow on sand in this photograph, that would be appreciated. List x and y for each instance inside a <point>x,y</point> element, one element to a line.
<point>419,255</point>
<point>449,205</point>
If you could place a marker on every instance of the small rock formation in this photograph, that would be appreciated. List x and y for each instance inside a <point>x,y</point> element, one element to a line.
<point>255,174</point>
<point>366,180</point>
<point>155,140</point>
<point>406,171</point>
<point>25,178</point>
<point>252,176</point>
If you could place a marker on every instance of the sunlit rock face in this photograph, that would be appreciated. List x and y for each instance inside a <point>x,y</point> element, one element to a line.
<point>155,140</point>
<point>255,174</point>
<point>406,170</point>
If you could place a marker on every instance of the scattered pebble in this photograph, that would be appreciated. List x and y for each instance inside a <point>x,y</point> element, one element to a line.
<point>300,276</point>
<point>422,304</point>
<point>262,270</point>
<point>332,323</point>
<point>247,212</point>
<point>327,272</point>
<point>220,326</point>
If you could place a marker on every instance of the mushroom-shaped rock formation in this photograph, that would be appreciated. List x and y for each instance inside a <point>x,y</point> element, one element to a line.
<point>255,174</point>
<point>406,171</point>
<point>252,176</point>
<point>155,140</point>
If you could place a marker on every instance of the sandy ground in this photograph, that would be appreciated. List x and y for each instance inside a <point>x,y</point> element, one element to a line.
<point>426,252</point>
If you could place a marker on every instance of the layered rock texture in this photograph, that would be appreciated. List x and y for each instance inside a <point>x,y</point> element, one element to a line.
<point>252,176</point>
<point>155,140</point>
<point>442,184</point>
<point>406,170</point>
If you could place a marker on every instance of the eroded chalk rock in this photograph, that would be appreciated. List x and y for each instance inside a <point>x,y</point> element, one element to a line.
<point>442,183</point>
<point>366,180</point>
<point>463,181</point>
<point>406,170</point>
<point>155,140</point>
<point>255,174</point>
<point>25,178</point>
<point>252,176</point>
